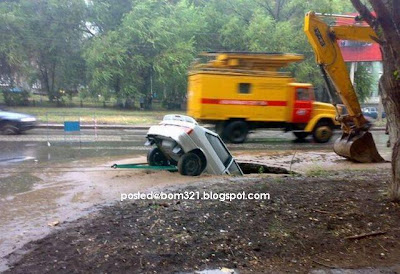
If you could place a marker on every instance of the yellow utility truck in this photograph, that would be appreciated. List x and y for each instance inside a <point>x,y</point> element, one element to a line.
<point>242,91</point>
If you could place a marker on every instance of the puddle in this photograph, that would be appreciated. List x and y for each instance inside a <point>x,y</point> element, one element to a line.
<point>17,184</point>
<point>16,159</point>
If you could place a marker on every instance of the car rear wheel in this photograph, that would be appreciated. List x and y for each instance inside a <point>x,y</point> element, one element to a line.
<point>9,129</point>
<point>322,132</point>
<point>190,164</point>
<point>236,132</point>
<point>155,157</point>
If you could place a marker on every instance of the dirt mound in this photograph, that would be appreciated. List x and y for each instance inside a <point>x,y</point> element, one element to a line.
<point>306,224</point>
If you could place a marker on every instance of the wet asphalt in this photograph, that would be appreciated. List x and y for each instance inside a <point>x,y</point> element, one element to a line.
<point>55,146</point>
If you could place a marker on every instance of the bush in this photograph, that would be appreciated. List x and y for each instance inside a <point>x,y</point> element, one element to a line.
<point>16,98</point>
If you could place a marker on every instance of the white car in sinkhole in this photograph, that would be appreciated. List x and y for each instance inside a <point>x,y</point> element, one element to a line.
<point>179,140</point>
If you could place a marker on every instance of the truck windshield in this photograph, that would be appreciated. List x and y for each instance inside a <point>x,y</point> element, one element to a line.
<point>220,149</point>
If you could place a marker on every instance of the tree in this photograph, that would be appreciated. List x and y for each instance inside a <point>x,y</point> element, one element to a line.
<point>125,48</point>
<point>41,42</point>
<point>363,81</point>
<point>12,52</point>
<point>106,15</point>
<point>154,44</point>
<point>53,36</point>
<point>386,23</point>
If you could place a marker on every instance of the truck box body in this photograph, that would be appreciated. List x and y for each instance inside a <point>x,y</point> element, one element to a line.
<point>251,97</point>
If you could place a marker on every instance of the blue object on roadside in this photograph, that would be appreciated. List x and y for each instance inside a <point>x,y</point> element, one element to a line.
<point>15,90</point>
<point>72,126</point>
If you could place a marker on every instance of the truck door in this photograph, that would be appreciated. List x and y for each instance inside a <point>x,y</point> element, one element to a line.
<point>302,107</point>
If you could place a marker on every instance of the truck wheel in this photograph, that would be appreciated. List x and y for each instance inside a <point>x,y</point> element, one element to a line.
<point>8,129</point>
<point>236,132</point>
<point>301,135</point>
<point>155,157</point>
<point>219,129</point>
<point>322,132</point>
<point>190,164</point>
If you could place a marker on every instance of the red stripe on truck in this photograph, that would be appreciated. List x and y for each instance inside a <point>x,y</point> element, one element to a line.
<point>238,102</point>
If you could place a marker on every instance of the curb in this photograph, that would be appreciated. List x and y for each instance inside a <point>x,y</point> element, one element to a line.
<point>61,126</point>
<point>140,127</point>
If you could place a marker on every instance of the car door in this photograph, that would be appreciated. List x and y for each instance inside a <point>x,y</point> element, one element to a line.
<point>302,106</point>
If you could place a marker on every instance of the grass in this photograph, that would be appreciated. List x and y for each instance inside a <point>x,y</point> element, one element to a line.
<point>88,115</point>
<point>317,171</point>
<point>381,123</point>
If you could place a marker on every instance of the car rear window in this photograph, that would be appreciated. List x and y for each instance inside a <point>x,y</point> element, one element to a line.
<point>219,148</point>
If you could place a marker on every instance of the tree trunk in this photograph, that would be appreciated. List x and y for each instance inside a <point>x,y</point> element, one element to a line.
<point>394,187</point>
<point>391,102</point>
<point>386,24</point>
<point>380,107</point>
<point>46,83</point>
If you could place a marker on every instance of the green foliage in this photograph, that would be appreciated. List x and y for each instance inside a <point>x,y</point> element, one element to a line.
<point>153,45</point>
<point>16,98</point>
<point>12,53</point>
<point>396,75</point>
<point>44,43</point>
<point>363,81</point>
<point>128,49</point>
<point>106,15</point>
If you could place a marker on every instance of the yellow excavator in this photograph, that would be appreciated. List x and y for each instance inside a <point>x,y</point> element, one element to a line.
<point>356,142</point>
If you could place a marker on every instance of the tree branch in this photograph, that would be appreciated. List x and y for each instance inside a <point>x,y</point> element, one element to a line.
<point>238,13</point>
<point>383,15</point>
<point>383,24</point>
<point>364,12</point>
<point>280,5</point>
<point>268,8</point>
<point>87,30</point>
<point>363,235</point>
<point>396,13</point>
<point>386,22</point>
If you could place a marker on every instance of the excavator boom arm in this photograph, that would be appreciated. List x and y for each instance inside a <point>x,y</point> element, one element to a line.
<point>354,32</point>
<point>356,142</point>
<point>323,40</point>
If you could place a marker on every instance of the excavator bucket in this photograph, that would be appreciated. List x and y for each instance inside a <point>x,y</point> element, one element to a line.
<point>358,147</point>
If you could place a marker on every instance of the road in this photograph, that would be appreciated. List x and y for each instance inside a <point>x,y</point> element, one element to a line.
<point>54,145</point>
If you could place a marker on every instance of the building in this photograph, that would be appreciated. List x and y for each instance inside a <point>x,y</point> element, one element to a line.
<point>355,52</point>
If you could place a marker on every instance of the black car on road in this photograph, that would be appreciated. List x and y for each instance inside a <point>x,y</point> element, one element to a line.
<point>15,123</point>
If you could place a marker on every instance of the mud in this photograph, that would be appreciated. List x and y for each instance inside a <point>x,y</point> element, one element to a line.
<point>308,224</point>
<point>35,197</point>
<point>59,187</point>
<point>308,161</point>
